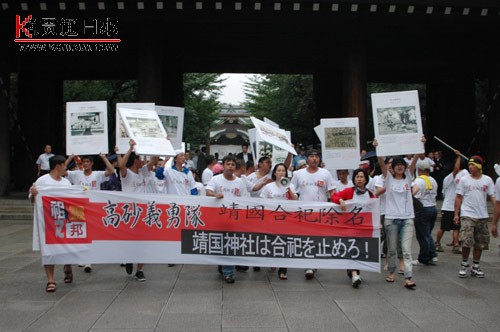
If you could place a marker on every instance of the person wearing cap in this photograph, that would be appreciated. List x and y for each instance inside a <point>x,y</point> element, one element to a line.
<point>299,157</point>
<point>135,178</point>
<point>448,207</point>
<point>425,190</point>
<point>471,211</point>
<point>54,178</point>
<point>90,179</point>
<point>399,214</point>
<point>313,184</point>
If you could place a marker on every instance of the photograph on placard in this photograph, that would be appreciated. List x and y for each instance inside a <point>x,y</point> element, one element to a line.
<point>144,126</point>
<point>172,119</point>
<point>397,123</point>
<point>86,128</point>
<point>341,138</point>
<point>273,135</point>
<point>122,137</point>
<point>340,142</point>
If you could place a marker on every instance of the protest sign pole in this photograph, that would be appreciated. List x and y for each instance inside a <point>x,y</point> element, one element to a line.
<point>449,147</point>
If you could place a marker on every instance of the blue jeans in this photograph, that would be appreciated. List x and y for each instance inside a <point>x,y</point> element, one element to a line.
<point>228,270</point>
<point>399,230</point>
<point>424,223</point>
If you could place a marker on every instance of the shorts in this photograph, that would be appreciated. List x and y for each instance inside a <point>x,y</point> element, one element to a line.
<point>447,223</point>
<point>475,233</point>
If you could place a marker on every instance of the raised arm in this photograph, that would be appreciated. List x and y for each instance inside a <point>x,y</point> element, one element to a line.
<point>122,162</point>
<point>381,160</point>
<point>109,167</point>
<point>456,167</point>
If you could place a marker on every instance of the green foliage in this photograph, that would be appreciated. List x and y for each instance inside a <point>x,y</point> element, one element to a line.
<point>285,99</point>
<point>201,107</point>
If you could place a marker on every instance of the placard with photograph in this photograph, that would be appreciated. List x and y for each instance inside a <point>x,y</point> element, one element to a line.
<point>122,138</point>
<point>146,129</point>
<point>86,128</point>
<point>397,123</point>
<point>172,119</point>
<point>273,135</point>
<point>340,143</point>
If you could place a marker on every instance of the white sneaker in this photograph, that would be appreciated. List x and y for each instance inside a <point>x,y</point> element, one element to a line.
<point>435,259</point>
<point>87,268</point>
<point>356,281</point>
<point>476,271</point>
<point>416,262</point>
<point>464,270</point>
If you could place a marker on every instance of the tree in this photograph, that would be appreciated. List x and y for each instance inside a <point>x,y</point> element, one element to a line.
<point>201,106</point>
<point>287,100</point>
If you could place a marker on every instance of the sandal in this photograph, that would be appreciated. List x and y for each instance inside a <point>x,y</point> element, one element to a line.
<point>410,284</point>
<point>68,274</point>
<point>283,276</point>
<point>389,279</point>
<point>51,287</point>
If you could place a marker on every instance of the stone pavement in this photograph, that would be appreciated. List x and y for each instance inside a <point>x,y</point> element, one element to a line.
<point>193,297</point>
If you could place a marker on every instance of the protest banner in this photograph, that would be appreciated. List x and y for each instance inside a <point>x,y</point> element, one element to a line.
<point>340,143</point>
<point>172,119</point>
<point>397,123</point>
<point>86,128</point>
<point>147,131</point>
<point>122,138</point>
<point>73,225</point>
<point>273,135</point>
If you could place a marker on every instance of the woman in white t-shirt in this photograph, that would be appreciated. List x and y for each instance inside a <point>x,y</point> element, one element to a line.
<point>276,190</point>
<point>399,215</point>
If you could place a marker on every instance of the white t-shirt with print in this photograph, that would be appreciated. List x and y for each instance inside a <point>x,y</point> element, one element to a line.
<point>229,188</point>
<point>450,188</point>
<point>179,183</point>
<point>274,191</point>
<point>92,181</point>
<point>399,200</point>
<point>475,194</point>
<point>313,186</point>
<point>254,180</point>
<point>136,182</point>
<point>339,186</point>
<point>426,196</point>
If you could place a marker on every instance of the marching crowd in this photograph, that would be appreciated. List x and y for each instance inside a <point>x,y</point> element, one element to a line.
<point>404,185</point>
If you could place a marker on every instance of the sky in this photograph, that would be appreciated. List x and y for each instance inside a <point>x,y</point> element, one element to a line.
<point>233,92</point>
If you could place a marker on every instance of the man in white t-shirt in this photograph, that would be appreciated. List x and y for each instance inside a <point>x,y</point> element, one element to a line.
<point>343,180</point>
<point>227,185</point>
<point>471,211</point>
<point>42,162</point>
<point>448,208</point>
<point>313,184</point>
<point>425,190</point>
<point>90,179</point>
<point>207,172</point>
<point>54,178</point>
<point>135,178</point>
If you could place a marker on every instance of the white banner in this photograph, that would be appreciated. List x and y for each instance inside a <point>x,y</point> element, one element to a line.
<point>86,128</point>
<point>397,123</point>
<point>73,226</point>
